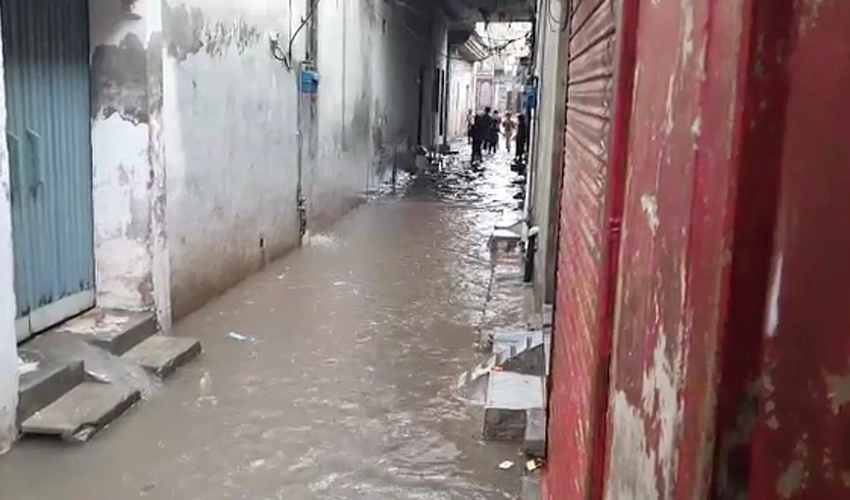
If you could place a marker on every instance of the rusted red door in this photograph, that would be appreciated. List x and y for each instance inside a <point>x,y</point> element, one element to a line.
<point>801,434</point>
<point>600,81</point>
<point>673,288</point>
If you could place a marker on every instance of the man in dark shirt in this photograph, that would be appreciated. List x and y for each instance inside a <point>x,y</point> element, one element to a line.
<point>521,138</point>
<point>493,132</point>
<point>480,128</point>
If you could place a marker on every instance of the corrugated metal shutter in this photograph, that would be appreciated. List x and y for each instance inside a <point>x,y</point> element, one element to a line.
<point>46,58</point>
<point>579,365</point>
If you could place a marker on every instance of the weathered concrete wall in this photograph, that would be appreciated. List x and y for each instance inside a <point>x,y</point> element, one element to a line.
<point>369,56</point>
<point>230,140</point>
<point>461,95</point>
<point>546,156</point>
<point>129,198</point>
<point>440,35</point>
<point>8,343</point>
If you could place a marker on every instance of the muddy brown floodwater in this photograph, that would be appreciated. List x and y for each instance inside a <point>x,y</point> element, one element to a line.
<point>346,387</point>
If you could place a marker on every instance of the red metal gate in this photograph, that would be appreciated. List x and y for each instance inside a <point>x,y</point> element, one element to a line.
<point>802,430</point>
<point>676,248</point>
<point>720,384</point>
<point>591,203</point>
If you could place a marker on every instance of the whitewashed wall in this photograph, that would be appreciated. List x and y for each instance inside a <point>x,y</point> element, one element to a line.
<point>8,346</point>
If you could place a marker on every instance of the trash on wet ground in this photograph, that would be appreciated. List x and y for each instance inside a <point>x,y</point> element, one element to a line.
<point>25,367</point>
<point>507,464</point>
<point>532,465</point>
<point>239,337</point>
<point>98,377</point>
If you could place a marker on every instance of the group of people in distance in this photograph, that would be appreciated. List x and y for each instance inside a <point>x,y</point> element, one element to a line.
<point>486,128</point>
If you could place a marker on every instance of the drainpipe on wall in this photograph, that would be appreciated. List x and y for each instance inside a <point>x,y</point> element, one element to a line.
<point>306,83</point>
<point>301,202</point>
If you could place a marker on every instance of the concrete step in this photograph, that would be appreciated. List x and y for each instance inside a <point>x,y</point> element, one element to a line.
<point>510,396</point>
<point>161,356</point>
<point>83,411</point>
<point>42,379</point>
<point>534,439</point>
<point>114,330</point>
<point>504,240</point>
<point>99,364</point>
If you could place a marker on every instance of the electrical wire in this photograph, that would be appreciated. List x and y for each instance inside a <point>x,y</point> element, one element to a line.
<point>286,58</point>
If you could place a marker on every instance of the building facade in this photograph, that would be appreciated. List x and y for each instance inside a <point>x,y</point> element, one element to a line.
<point>159,152</point>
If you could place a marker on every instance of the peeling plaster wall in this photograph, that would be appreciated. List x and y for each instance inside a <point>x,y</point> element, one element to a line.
<point>129,198</point>
<point>230,142</point>
<point>8,343</point>
<point>673,287</point>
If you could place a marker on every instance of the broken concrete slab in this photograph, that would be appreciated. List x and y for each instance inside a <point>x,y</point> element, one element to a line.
<point>99,364</point>
<point>46,382</point>
<point>83,411</point>
<point>161,356</point>
<point>509,396</point>
<point>114,330</point>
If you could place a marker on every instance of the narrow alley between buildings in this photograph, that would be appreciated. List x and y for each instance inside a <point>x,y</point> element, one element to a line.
<point>341,382</point>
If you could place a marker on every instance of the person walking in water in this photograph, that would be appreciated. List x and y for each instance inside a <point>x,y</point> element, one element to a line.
<point>521,138</point>
<point>480,126</point>
<point>509,127</point>
<point>494,132</point>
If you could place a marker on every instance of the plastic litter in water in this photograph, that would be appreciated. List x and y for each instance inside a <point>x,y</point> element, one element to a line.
<point>238,337</point>
<point>26,367</point>
<point>507,464</point>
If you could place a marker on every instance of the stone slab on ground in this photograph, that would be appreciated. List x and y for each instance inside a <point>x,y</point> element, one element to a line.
<point>509,396</point>
<point>162,356</point>
<point>83,411</point>
<point>45,380</point>
<point>114,330</point>
<point>100,365</point>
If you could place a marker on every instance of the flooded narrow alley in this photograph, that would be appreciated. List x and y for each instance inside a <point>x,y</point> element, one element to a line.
<point>329,375</point>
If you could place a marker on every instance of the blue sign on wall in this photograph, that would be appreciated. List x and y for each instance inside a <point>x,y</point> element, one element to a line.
<point>309,81</point>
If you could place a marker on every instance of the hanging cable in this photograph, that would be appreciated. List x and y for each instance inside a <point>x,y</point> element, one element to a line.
<point>286,57</point>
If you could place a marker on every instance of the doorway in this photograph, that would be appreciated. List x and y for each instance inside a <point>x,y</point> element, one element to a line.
<point>48,133</point>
